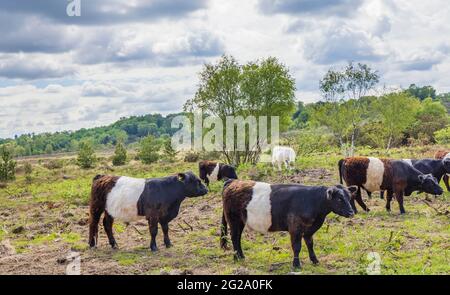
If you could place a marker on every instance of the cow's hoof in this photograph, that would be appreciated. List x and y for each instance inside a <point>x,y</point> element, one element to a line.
<point>314,260</point>
<point>169,245</point>
<point>367,210</point>
<point>296,267</point>
<point>115,246</point>
<point>154,248</point>
<point>238,257</point>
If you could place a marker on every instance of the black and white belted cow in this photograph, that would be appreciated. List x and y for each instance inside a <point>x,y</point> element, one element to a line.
<point>127,199</point>
<point>264,207</point>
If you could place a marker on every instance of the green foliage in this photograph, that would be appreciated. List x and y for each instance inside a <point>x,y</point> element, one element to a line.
<point>49,149</point>
<point>191,157</point>
<point>372,134</point>
<point>126,130</point>
<point>421,92</point>
<point>350,83</point>
<point>310,140</point>
<point>148,150</point>
<point>120,155</point>
<point>301,116</point>
<point>397,112</point>
<point>430,117</point>
<point>443,136</point>
<point>54,164</point>
<point>169,152</point>
<point>7,164</point>
<point>260,88</point>
<point>342,119</point>
<point>86,156</point>
<point>28,168</point>
<point>444,98</point>
<point>354,81</point>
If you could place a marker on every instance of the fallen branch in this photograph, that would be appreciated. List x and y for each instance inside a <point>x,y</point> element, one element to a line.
<point>136,229</point>
<point>438,212</point>
<point>190,226</point>
<point>181,227</point>
<point>390,236</point>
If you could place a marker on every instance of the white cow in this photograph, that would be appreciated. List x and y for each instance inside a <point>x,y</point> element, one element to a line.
<point>283,154</point>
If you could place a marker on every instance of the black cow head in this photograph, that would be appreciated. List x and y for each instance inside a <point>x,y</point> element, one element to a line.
<point>192,185</point>
<point>228,172</point>
<point>429,184</point>
<point>446,163</point>
<point>339,197</point>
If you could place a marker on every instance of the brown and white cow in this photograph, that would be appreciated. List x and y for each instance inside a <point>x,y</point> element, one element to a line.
<point>264,207</point>
<point>127,199</point>
<point>395,176</point>
<point>211,171</point>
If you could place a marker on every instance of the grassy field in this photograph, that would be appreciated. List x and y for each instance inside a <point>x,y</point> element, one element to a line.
<point>42,221</point>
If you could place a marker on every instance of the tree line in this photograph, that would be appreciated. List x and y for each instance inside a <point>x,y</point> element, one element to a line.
<point>351,112</point>
<point>126,130</point>
<point>348,117</point>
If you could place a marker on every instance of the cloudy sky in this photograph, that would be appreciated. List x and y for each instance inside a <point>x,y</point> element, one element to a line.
<point>132,57</point>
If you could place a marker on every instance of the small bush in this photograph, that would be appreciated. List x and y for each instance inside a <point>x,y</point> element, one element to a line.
<point>443,136</point>
<point>210,155</point>
<point>120,155</point>
<point>311,140</point>
<point>7,164</point>
<point>169,152</point>
<point>191,157</point>
<point>148,150</point>
<point>86,156</point>
<point>28,168</point>
<point>54,164</point>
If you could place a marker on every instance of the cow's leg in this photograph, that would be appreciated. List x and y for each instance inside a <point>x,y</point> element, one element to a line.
<point>296,243</point>
<point>153,227</point>
<point>165,229</point>
<point>279,165</point>
<point>388,200</point>
<point>360,200</point>
<point>399,197</point>
<point>382,195</point>
<point>108,222</point>
<point>286,163</point>
<point>93,227</point>
<point>310,244</point>
<point>236,228</point>
<point>308,237</point>
<point>446,182</point>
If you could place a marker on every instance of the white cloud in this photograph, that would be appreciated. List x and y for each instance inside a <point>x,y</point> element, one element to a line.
<point>59,73</point>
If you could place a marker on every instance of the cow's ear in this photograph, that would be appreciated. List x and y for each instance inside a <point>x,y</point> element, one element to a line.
<point>181,176</point>
<point>330,192</point>
<point>353,189</point>
<point>421,177</point>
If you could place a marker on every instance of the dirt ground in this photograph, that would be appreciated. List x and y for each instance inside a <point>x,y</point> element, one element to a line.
<point>56,230</point>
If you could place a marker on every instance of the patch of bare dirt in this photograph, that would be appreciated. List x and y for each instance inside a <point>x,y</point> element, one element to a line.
<point>319,176</point>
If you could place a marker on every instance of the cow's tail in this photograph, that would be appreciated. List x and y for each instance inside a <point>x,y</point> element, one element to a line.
<point>340,166</point>
<point>224,232</point>
<point>97,206</point>
<point>224,226</point>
